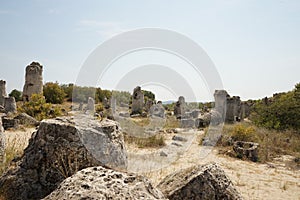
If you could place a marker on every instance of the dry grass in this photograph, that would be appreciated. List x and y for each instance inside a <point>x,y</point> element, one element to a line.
<point>171,122</point>
<point>271,143</point>
<point>16,142</point>
<point>155,141</point>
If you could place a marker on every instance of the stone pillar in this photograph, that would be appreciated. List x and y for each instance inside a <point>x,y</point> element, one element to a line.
<point>2,92</point>
<point>2,142</point>
<point>233,112</point>
<point>180,107</point>
<point>91,105</point>
<point>137,101</point>
<point>220,102</point>
<point>10,105</point>
<point>33,80</point>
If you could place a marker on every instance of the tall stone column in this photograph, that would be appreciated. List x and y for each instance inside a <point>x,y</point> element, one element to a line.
<point>2,92</point>
<point>33,80</point>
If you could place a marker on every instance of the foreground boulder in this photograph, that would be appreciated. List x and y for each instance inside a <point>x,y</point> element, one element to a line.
<point>59,149</point>
<point>102,183</point>
<point>199,182</point>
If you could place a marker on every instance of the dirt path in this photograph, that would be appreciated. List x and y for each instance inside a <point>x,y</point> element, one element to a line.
<point>253,180</point>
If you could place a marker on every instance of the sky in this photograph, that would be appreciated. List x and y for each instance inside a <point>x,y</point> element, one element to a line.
<point>254,45</point>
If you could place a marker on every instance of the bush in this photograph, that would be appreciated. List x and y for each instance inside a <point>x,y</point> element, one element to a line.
<point>281,112</point>
<point>38,108</point>
<point>99,107</point>
<point>17,94</point>
<point>53,93</point>
<point>243,132</point>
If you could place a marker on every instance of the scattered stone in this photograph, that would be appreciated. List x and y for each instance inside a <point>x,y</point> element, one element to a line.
<point>179,138</point>
<point>137,101</point>
<point>10,123</point>
<point>33,80</point>
<point>27,120</point>
<point>199,182</point>
<point>2,109</point>
<point>59,149</point>
<point>163,154</point>
<point>246,149</point>
<point>187,123</point>
<point>124,114</point>
<point>10,105</point>
<point>176,144</point>
<point>102,183</point>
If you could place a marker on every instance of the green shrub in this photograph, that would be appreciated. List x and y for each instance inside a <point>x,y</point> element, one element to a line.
<point>38,108</point>
<point>53,93</point>
<point>281,112</point>
<point>241,132</point>
<point>17,94</point>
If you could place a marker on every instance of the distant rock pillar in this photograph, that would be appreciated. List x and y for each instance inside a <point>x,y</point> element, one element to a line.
<point>220,102</point>
<point>2,92</point>
<point>33,80</point>
<point>137,101</point>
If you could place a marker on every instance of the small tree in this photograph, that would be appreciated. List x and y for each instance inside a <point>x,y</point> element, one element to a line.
<point>53,93</point>
<point>17,94</point>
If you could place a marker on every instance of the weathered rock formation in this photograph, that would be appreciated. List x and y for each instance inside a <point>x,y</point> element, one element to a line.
<point>157,110</point>
<point>9,123</point>
<point>180,107</point>
<point>91,105</point>
<point>27,120</point>
<point>60,148</point>
<point>200,182</point>
<point>33,80</point>
<point>10,105</point>
<point>102,183</point>
<point>2,92</point>
<point>247,150</point>
<point>2,143</point>
<point>220,102</point>
<point>137,101</point>
<point>233,109</point>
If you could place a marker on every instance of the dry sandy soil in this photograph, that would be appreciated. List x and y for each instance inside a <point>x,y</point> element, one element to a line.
<point>253,180</point>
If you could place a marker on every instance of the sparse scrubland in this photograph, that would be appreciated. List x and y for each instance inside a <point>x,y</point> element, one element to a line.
<point>273,124</point>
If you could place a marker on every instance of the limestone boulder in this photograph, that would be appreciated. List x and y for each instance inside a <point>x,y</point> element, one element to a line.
<point>10,105</point>
<point>199,182</point>
<point>102,183</point>
<point>58,149</point>
<point>27,120</point>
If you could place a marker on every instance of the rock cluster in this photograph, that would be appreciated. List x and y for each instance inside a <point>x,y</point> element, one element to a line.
<point>33,80</point>
<point>200,182</point>
<point>57,150</point>
<point>102,183</point>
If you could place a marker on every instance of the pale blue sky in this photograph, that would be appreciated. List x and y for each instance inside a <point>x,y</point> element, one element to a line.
<point>255,45</point>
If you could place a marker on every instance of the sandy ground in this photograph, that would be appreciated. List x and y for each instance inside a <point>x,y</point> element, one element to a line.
<point>253,180</point>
